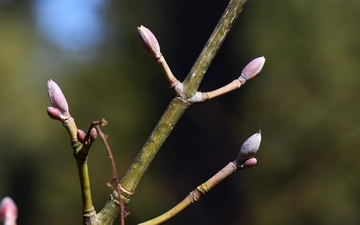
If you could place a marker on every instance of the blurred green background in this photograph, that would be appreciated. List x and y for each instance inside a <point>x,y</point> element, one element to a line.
<point>304,101</point>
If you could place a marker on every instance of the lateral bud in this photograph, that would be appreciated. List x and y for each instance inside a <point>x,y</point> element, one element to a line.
<point>252,69</point>
<point>55,114</point>
<point>81,136</point>
<point>248,149</point>
<point>249,163</point>
<point>88,138</point>
<point>149,42</point>
<point>93,135</point>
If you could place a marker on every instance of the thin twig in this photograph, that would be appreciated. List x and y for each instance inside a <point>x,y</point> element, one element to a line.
<point>115,178</point>
<point>167,71</point>
<point>220,91</point>
<point>197,193</point>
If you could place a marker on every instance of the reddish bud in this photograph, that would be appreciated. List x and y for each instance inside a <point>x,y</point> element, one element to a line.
<point>8,211</point>
<point>88,138</point>
<point>55,114</point>
<point>250,162</point>
<point>248,149</point>
<point>93,135</point>
<point>149,42</point>
<point>81,136</point>
<point>253,68</point>
<point>57,99</point>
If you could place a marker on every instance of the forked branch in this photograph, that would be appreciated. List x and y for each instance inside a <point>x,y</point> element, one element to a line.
<point>186,92</point>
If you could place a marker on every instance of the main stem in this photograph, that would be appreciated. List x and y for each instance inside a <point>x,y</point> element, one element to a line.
<point>197,72</point>
<point>88,208</point>
<point>162,130</point>
<point>179,105</point>
<point>80,153</point>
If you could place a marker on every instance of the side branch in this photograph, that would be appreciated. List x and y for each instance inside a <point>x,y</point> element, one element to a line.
<point>197,72</point>
<point>200,191</point>
<point>80,153</point>
<point>179,104</point>
<point>60,111</point>
<point>115,178</point>
<point>244,160</point>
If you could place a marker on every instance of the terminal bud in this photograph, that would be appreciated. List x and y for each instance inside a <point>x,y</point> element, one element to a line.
<point>253,68</point>
<point>149,42</point>
<point>60,107</point>
<point>248,149</point>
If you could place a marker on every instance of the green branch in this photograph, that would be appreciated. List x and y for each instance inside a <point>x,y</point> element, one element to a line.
<point>162,130</point>
<point>243,161</point>
<point>197,72</point>
<point>179,104</point>
<point>194,195</point>
<point>80,153</point>
<point>185,93</point>
<point>60,111</point>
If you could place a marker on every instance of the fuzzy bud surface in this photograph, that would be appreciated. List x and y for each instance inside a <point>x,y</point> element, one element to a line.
<point>253,68</point>
<point>249,148</point>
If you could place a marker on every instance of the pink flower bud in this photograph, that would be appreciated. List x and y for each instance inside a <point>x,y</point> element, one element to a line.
<point>57,99</point>
<point>248,149</point>
<point>8,211</point>
<point>253,68</point>
<point>149,42</point>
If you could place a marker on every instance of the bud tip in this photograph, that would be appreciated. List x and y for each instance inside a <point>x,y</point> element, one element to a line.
<point>57,99</point>
<point>249,149</point>
<point>253,68</point>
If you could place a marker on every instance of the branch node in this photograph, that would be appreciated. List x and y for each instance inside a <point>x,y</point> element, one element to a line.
<point>89,212</point>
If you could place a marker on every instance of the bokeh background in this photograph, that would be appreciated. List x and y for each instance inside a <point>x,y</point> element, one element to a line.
<point>305,101</point>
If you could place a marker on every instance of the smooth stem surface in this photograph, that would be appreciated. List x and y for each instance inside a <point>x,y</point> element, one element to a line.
<point>162,130</point>
<point>80,153</point>
<point>195,195</point>
<point>197,72</point>
<point>190,199</point>
<point>223,90</point>
<point>88,208</point>
<point>229,169</point>
<point>110,211</point>
<point>167,71</point>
